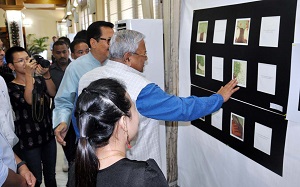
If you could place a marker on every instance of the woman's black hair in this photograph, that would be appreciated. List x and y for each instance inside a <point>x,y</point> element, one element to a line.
<point>98,108</point>
<point>11,51</point>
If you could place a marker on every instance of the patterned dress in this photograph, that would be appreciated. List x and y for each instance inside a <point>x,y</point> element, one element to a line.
<point>32,134</point>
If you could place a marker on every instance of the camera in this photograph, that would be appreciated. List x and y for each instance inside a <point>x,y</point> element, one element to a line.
<point>40,60</point>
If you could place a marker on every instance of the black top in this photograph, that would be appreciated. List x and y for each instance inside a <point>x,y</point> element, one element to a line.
<point>57,73</point>
<point>132,173</point>
<point>31,134</point>
<point>127,172</point>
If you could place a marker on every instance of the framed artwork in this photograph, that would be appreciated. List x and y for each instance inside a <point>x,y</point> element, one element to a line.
<point>237,124</point>
<point>239,71</point>
<point>202,31</point>
<point>200,65</point>
<point>241,33</point>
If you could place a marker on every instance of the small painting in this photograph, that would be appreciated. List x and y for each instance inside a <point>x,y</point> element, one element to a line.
<point>200,65</point>
<point>202,31</point>
<point>237,124</point>
<point>239,71</point>
<point>241,34</point>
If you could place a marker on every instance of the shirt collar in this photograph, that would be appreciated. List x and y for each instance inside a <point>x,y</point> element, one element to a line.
<point>56,65</point>
<point>123,66</point>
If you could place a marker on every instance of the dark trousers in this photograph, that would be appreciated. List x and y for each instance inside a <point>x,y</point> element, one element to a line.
<point>70,148</point>
<point>46,156</point>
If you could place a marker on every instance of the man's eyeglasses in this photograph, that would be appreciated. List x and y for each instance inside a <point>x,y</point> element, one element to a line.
<point>2,48</point>
<point>144,55</point>
<point>107,40</point>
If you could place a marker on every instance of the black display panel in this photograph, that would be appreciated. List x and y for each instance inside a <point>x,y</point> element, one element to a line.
<point>245,51</point>
<point>245,143</point>
<point>252,52</point>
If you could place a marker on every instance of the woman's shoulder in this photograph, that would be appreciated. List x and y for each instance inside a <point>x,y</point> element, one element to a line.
<point>13,87</point>
<point>148,172</point>
<point>135,164</point>
<point>132,173</point>
<point>147,165</point>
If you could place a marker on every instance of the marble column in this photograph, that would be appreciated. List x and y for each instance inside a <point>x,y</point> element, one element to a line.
<point>171,18</point>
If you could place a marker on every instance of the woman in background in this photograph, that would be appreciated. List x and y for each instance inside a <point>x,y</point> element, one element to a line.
<point>108,120</point>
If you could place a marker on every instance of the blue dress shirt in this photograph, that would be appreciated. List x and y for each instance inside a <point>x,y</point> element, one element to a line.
<point>66,94</point>
<point>153,102</point>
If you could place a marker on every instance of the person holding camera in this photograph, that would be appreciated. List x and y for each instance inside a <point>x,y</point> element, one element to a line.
<point>30,94</point>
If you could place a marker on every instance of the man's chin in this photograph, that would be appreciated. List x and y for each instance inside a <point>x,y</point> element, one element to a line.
<point>63,62</point>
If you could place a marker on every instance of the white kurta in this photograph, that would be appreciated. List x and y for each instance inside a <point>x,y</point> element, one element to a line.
<point>7,126</point>
<point>147,140</point>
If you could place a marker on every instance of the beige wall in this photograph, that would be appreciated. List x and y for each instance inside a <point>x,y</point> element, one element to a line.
<point>43,23</point>
<point>100,10</point>
<point>2,19</point>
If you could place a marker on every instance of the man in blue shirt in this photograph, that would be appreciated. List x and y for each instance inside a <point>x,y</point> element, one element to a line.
<point>98,36</point>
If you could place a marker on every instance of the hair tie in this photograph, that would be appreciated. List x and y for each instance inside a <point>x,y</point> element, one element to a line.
<point>103,97</point>
<point>84,138</point>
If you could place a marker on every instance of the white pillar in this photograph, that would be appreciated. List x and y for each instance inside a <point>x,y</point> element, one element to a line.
<point>11,16</point>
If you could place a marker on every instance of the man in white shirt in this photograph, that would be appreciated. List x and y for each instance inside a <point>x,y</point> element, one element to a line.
<point>11,174</point>
<point>128,55</point>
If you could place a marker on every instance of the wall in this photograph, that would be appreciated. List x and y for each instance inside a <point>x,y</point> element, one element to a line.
<point>100,10</point>
<point>2,18</point>
<point>206,162</point>
<point>43,23</point>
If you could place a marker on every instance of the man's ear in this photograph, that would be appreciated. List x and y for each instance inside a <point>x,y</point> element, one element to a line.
<point>126,58</point>
<point>93,42</point>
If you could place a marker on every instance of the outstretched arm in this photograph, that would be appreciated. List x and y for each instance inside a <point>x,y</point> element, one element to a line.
<point>154,103</point>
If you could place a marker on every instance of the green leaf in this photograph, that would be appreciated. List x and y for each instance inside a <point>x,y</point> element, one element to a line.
<point>36,45</point>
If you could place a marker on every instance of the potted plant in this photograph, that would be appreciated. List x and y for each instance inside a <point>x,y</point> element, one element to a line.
<point>36,45</point>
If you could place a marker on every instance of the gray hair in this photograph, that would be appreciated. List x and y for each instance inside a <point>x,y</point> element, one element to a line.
<point>124,41</point>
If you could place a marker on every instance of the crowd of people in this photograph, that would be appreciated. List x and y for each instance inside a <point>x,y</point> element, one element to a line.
<point>104,112</point>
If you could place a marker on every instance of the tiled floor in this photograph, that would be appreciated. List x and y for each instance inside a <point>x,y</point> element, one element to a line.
<point>61,177</point>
